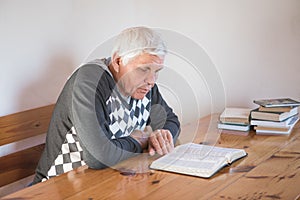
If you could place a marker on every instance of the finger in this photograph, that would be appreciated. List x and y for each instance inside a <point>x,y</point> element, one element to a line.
<point>154,141</point>
<point>151,150</point>
<point>167,135</point>
<point>169,140</point>
<point>166,144</point>
<point>170,137</point>
<point>162,141</point>
<point>164,134</point>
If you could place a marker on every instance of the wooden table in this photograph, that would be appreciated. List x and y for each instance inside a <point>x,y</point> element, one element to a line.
<point>270,171</point>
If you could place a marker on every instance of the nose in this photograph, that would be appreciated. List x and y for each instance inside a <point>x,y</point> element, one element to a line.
<point>151,78</point>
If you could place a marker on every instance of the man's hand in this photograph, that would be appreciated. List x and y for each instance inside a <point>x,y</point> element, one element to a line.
<point>161,142</point>
<point>141,136</point>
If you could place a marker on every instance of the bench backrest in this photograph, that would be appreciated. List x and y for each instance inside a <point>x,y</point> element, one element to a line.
<point>19,127</point>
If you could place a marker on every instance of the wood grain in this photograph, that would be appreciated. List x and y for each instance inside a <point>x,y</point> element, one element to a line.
<point>24,124</point>
<point>19,165</point>
<point>276,178</point>
<point>16,127</point>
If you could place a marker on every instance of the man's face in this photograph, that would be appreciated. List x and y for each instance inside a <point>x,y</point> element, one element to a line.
<point>138,76</point>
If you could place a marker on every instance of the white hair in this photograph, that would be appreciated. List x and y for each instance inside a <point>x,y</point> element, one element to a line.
<point>137,40</point>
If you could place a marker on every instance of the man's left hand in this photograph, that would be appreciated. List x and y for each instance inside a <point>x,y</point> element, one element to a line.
<point>161,142</point>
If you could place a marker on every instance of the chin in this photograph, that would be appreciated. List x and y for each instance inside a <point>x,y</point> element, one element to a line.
<point>138,96</point>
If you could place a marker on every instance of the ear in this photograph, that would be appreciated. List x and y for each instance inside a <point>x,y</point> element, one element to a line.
<point>116,61</point>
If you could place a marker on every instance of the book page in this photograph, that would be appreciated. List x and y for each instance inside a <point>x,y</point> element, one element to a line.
<point>242,113</point>
<point>205,151</point>
<point>196,159</point>
<point>188,165</point>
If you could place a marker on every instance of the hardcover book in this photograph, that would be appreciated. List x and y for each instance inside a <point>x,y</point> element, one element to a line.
<point>276,109</point>
<point>235,115</point>
<point>197,160</point>
<point>273,116</point>
<point>280,102</point>
<point>234,127</point>
<point>283,124</point>
<point>263,130</point>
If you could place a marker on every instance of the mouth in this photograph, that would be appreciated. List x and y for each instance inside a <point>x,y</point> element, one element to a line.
<point>143,90</point>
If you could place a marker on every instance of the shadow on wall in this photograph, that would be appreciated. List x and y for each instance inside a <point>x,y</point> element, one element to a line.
<point>48,85</point>
<point>44,90</point>
<point>41,91</point>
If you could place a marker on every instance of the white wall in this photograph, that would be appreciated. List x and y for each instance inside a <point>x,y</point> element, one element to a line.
<point>254,44</point>
<point>42,42</point>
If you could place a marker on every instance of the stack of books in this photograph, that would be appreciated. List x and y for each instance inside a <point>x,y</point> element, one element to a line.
<point>236,119</point>
<point>275,116</point>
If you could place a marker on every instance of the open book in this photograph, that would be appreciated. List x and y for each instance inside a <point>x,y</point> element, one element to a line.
<point>197,160</point>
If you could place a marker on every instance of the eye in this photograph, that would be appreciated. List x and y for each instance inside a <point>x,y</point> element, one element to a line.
<point>158,70</point>
<point>143,69</point>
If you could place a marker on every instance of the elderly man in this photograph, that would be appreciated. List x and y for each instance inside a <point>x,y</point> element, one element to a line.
<point>111,109</point>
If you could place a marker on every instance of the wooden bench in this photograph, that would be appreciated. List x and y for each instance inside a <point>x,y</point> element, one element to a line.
<point>15,129</point>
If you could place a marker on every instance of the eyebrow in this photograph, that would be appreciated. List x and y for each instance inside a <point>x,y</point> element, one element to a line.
<point>161,67</point>
<point>149,66</point>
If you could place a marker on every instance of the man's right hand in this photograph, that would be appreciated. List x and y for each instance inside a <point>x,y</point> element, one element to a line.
<point>142,137</point>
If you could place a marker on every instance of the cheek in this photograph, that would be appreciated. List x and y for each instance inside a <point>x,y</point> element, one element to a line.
<point>135,80</point>
<point>130,82</point>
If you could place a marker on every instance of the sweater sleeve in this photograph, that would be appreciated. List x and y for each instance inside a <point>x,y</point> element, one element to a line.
<point>162,116</point>
<point>90,120</point>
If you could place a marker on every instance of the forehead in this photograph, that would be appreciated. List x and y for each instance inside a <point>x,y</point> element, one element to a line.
<point>147,60</point>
